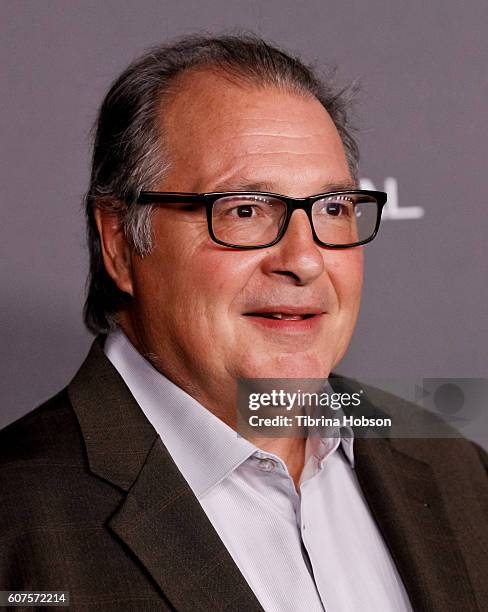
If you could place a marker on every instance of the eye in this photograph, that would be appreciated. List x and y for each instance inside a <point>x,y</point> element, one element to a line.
<point>245,207</point>
<point>338,206</point>
<point>335,209</point>
<point>244,211</point>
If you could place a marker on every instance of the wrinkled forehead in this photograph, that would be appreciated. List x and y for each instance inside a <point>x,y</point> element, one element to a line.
<point>218,126</point>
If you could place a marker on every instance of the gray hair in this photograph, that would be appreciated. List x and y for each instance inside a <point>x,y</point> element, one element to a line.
<point>128,153</point>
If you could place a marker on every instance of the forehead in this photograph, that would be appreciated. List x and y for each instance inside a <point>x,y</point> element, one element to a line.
<point>220,128</point>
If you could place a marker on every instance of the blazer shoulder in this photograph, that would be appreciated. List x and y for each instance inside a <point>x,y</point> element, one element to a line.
<point>422,434</point>
<point>48,434</point>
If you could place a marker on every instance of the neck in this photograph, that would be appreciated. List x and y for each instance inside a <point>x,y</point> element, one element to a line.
<point>290,450</point>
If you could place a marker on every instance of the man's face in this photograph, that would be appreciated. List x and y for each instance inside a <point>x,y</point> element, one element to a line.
<point>197,304</point>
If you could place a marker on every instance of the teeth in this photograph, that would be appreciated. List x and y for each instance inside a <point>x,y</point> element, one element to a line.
<point>282,316</point>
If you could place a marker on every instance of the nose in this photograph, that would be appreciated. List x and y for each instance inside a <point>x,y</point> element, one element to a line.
<point>296,255</point>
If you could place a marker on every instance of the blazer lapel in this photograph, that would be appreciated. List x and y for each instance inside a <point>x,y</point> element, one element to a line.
<point>405,499</point>
<point>406,502</point>
<point>160,519</point>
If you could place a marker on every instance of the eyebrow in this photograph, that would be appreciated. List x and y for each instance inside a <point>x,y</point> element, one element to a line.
<point>243,185</point>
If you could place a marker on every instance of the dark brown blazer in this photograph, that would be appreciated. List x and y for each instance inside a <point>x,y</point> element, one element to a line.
<point>92,503</point>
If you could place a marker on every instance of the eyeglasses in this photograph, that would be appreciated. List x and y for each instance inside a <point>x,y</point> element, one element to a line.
<point>254,219</point>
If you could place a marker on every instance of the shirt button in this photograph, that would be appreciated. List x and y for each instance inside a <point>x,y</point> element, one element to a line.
<point>266,465</point>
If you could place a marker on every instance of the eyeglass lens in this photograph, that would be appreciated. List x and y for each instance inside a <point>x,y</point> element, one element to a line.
<point>253,220</point>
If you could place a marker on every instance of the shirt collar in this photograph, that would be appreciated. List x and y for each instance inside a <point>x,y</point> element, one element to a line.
<point>203,447</point>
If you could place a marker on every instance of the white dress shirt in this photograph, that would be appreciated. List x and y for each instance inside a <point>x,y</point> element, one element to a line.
<point>308,551</point>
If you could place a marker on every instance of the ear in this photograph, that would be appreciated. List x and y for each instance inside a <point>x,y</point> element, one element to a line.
<point>116,251</point>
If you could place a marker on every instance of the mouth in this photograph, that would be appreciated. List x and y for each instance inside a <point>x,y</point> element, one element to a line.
<point>287,319</point>
<point>281,316</point>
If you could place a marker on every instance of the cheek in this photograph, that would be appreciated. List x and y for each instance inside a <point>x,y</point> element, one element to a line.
<point>220,278</point>
<point>346,272</point>
<point>201,279</point>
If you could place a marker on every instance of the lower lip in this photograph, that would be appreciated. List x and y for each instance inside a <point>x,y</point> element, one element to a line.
<point>287,325</point>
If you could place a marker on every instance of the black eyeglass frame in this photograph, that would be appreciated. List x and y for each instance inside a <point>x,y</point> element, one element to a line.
<point>292,204</point>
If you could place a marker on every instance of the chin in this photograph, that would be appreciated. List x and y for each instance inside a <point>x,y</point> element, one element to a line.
<point>290,365</point>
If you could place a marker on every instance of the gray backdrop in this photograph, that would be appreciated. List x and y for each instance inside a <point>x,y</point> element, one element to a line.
<point>423,114</point>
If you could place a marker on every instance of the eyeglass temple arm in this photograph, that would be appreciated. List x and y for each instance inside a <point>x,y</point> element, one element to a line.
<point>155,197</point>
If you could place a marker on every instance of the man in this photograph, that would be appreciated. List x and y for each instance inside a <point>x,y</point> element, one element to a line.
<point>130,489</point>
